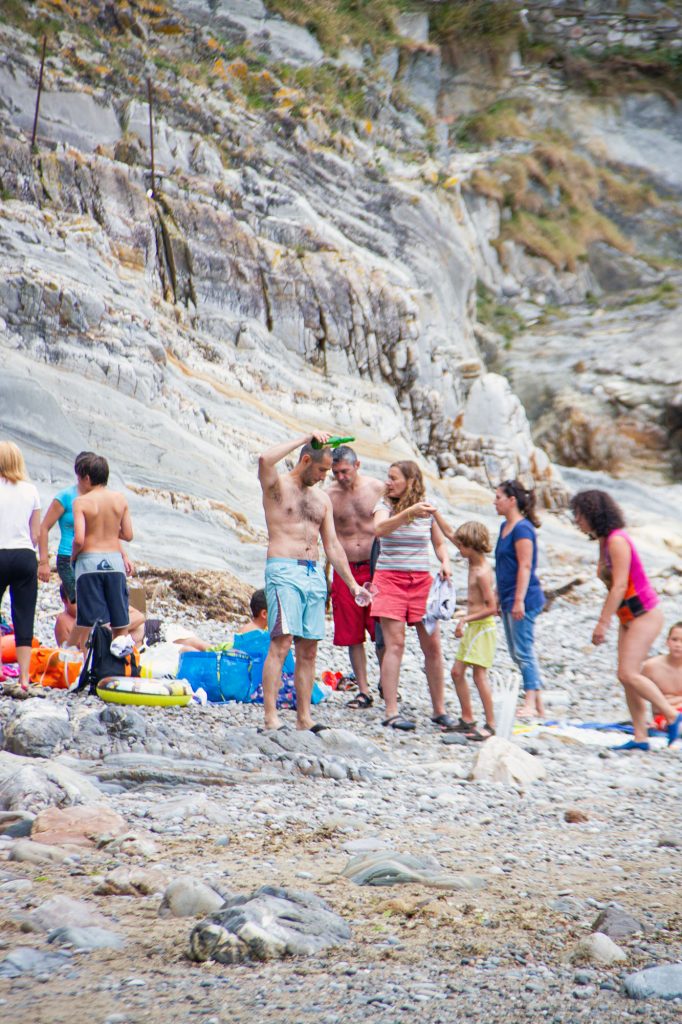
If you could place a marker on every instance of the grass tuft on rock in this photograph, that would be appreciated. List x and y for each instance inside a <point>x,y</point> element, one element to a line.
<point>551,199</point>
<point>339,23</point>
<point>492,29</point>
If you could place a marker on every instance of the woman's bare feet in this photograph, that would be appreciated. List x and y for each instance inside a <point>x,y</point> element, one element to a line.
<point>532,706</point>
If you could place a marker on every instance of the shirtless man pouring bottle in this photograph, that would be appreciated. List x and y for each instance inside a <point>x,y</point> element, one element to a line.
<point>297,514</point>
<point>353,497</point>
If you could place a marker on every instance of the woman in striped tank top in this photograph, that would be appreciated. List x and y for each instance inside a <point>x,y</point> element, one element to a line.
<point>404,522</point>
<point>635,603</point>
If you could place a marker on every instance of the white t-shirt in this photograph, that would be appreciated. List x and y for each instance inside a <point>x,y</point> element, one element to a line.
<point>17,503</point>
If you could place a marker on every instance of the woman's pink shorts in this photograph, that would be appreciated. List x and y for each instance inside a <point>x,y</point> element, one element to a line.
<point>401,595</point>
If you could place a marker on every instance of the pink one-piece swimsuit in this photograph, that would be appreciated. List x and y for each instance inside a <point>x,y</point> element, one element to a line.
<point>640,596</point>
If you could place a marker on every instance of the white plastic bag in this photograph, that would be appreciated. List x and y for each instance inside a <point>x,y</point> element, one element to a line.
<point>160,661</point>
<point>505,691</point>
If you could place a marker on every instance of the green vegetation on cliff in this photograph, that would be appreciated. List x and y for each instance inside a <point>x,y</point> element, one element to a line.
<point>339,23</point>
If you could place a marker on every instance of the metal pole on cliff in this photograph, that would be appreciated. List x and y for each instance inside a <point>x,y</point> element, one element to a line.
<point>151,135</point>
<point>40,89</point>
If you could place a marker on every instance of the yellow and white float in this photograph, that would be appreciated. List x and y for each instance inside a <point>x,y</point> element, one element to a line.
<point>156,693</point>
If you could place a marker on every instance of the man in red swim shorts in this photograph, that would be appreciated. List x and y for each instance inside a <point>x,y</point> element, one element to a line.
<point>353,497</point>
<point>666,671</point>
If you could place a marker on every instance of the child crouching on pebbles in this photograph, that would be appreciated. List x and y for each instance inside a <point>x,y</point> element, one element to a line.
<point>476,629</point>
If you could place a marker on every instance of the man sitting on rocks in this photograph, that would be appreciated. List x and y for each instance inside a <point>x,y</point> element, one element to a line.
<point>66,620</point>
<point>258,607</point>
<point>666,671</point>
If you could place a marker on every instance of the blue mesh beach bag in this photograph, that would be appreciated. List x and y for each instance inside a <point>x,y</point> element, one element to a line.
<point>200,669</point>
<point>235,676</point>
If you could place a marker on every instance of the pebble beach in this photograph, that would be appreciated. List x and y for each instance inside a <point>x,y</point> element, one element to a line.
<point>535,898</point>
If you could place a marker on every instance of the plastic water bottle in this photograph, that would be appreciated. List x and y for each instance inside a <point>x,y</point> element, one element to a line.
<point>332,442</point>
<point>365,595</point>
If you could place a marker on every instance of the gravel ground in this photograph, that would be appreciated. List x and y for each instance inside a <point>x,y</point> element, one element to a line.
<point>600,830</point>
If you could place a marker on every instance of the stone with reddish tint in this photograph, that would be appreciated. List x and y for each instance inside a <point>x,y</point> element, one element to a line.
<point>81,825</point>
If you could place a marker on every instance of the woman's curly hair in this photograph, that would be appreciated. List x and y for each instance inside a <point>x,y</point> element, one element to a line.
<point>415,486</point>
<point>601,513</point>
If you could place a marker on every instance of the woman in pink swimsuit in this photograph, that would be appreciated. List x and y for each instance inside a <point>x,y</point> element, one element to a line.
<point>635,602</point>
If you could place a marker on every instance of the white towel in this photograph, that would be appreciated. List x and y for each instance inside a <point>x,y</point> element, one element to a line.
<point>440,604</point>
<point>122,646</point>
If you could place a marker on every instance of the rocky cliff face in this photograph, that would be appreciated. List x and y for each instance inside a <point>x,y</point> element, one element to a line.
<point>298,262</point>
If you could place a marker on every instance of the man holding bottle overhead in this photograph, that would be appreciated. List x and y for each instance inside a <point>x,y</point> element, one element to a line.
<point>297,514</point>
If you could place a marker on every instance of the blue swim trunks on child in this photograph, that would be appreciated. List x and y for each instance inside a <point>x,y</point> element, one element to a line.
<point>296,592</point>
<point>101,589</point>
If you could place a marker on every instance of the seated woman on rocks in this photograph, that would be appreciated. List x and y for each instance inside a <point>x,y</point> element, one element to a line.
<point>404,522</point>
<point>633,600</point>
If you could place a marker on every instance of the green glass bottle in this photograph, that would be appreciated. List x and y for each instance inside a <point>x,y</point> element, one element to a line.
<point>332,442</point>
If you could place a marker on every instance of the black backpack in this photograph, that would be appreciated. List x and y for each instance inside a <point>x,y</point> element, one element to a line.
<point>100,662</point>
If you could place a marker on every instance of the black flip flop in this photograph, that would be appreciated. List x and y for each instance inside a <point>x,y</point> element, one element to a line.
<point>446,723</point>
<point>318,728</point>
<point>403,724</point>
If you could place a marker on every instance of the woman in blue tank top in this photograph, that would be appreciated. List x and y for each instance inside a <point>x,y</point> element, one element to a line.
<point>60,510</point>
<point>519,592</point>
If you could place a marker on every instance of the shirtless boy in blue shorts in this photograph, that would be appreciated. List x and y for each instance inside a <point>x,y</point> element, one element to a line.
<point>100,521</point>
<point>298,514</point>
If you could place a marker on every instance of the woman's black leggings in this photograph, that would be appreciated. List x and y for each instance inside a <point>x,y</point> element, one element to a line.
<point>19,572</point>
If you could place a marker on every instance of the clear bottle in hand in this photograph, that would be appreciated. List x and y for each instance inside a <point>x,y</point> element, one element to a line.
<point>365,595</point>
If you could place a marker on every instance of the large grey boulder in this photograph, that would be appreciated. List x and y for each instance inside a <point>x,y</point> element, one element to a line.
<point>189,897</point>
<point>617,923</point>
<point>345,743</point>
<point>62,911</point>
<point>664,982</point>
<point>38,729</point>
<point>388,867</point>
<point>131,881</point>
<point>86,938</point>
<point>269,924</point>
<point>134,769</point>
<point>25,960</point>
<point>27,785</point>
<point>598,948</point>
<point>27,852</point>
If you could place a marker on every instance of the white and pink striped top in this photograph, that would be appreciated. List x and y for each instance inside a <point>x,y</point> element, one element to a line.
<point>407,549</point>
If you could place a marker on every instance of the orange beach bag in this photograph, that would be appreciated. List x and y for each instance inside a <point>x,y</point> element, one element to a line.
<point>50,667</point>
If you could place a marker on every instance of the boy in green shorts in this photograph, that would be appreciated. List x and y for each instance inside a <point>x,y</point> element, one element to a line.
<point>476,629</point>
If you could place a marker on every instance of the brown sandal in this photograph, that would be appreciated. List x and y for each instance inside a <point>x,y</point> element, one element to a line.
<point>361,701</point>
<point>479,735</point>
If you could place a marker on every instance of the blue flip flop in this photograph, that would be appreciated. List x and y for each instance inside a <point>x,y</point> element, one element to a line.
<point>633,745</point>
<point>675,730</point>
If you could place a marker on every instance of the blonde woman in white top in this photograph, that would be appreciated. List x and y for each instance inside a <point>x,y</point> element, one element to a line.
<point>19,529</point>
